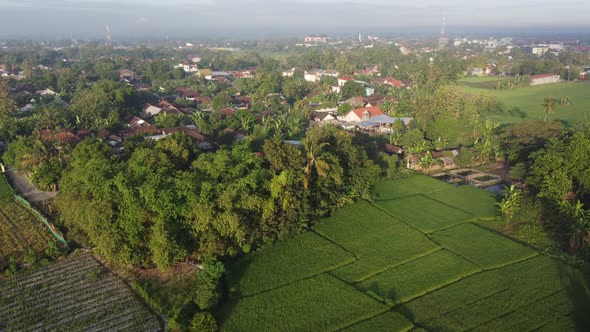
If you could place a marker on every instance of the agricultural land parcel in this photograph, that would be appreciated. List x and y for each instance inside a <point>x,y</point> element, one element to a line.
<point>529,99</point>
<point>381,272</point>
<point>20,230</point>
<point>74,295</point>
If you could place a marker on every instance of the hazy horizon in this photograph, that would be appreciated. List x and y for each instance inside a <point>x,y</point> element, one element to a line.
<point>258,18</point>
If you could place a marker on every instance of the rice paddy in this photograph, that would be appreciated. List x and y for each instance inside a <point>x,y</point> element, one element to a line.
<point>414,260</point>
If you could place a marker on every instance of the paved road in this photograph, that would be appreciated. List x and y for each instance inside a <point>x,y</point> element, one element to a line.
<point>27,189</point>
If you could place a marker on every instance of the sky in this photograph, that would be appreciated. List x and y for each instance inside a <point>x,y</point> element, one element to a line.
<point>266,18</point>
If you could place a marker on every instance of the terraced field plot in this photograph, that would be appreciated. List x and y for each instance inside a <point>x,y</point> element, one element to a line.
<point>287,261</point>
<point>389,321</point>
<point>481,246</point>
<point>370,234</point>
<point>419,184</point>
<point>75,295</point>
<point>510,297</point>
<point>406,273</point>
<point>424,213</point>
<point>420,276</point>
<point>316,304</point>
<point>480,203</point>
<point>20,230</point>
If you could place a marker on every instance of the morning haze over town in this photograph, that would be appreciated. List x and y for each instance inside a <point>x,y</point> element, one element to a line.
<point>294,165</point>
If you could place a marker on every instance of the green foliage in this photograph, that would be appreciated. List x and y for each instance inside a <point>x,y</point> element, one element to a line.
<point>352,89</point>
<point>465,158</point>
<point>511,202</point>
<point>203,322</point>
<point>517,82</point>
<point>561,168</point>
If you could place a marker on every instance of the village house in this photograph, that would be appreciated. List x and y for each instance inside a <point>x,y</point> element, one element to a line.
<point>544,79</point>
<point>362,114</point>
<point>312,76</point>
<point>46,92</point>
<point>389,81</point>
<point>316,39</point>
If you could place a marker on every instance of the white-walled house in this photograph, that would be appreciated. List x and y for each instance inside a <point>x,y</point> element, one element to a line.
<point>544,79</point>
<point>362,114</point>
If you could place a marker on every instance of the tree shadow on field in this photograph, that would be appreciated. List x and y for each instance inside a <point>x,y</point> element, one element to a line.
<point>387,296</point>
<point>231,293</point>
<point>577,286</point>
<point>517,112</point>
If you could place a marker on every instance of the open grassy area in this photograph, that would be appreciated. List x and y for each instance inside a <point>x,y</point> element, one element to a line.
<point>424,213</point>
<point>481,246</point>
<point>317,304</point>
<point>285,262</point>
<point>529,100</point>
<point>372,271</point>
<point>5,191</point>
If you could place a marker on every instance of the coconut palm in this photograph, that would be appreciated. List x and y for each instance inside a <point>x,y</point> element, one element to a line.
<point>565,101</point>
<point>549,106</point>
<point>324,164</point>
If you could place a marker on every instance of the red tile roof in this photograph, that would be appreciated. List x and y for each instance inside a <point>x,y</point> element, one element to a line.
<point>346,78</point>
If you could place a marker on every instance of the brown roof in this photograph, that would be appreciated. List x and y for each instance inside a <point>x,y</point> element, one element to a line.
<point>373,111</point>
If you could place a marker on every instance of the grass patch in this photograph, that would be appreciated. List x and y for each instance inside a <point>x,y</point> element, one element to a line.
<point>285,262</point>
<point>5,191</point>
<point>424,213</point>
<point>377,239</point>
<point>476,201</point>
<point>413,185</point>
<point>481,246</point>
<point>389,321</point>
<point>418,277</point>
<point>528,100</point>
<point>488,296</point>
<point>316,304</point>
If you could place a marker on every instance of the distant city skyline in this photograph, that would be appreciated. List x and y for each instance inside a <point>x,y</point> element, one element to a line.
<point>242,18</point>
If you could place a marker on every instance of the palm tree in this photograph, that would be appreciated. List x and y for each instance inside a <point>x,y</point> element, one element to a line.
<point>324,164</point>
<point>549,106</point>
<point>565,101</point>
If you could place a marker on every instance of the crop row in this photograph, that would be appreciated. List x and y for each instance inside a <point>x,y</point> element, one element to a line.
<point>73,295</point>
<point>20,230</point>
<point>485,297</point>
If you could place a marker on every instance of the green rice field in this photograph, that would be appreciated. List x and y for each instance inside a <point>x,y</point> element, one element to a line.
<point>414,260</point>
<point>529,100</point>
